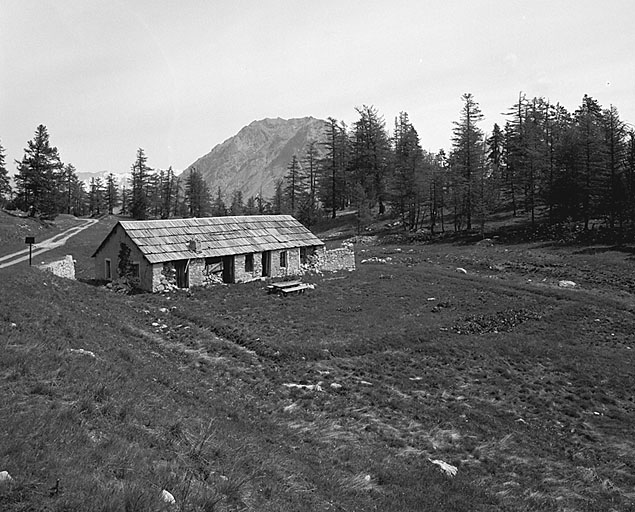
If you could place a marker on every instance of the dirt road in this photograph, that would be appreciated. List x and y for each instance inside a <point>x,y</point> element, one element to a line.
<point>46,245</point>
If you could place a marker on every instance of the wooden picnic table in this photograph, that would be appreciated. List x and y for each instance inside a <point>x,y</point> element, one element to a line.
<point>282,286</point>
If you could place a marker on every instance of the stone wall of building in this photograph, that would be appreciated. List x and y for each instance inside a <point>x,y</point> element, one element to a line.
<point>61,268</point>
<point>196,270</point>
<point>332,260</point>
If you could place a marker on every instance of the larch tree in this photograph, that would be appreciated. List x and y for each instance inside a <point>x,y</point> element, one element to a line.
<point>295,186</point>
<point>139,179</point>
<point>467,159</point>
<point>407,184</point>
<point>370,155</point>
<point>197,194</point>
<point>111,193</point>
<point>5,182</point>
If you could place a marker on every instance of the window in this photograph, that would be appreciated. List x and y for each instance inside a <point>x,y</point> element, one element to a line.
<point>107,269</point>
<point>283,259</point>
<point>134,269</point>
<point>213,265</point>
<point>249,262</point>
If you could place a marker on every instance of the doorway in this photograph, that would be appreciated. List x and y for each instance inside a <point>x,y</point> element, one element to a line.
<point>266,264</point>
<point>228,269</point>
<point>182,268</point>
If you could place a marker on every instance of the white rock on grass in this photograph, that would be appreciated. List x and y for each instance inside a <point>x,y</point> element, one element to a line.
<point>5,477</point>
<point>461,270</point>
<point>448,469</point>
<point>83,352</point>
<point>566,284</point>
<point>167,497</point>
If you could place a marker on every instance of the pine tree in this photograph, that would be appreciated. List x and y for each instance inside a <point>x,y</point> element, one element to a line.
<point>371,152</point>
<point>5,186</point>
<point>197,195</point>
<point>309,206</point>
<point>294,185</point>
<point>219,209</point>
<point>467,160</point>
<point>407,184</point>
<point>96,199</point>
<point>139,179</point>
<point>332,186</point>
<point>237,207</point>
<point>614,194</point>
<point>588,120</point>
<point>111,193</point>
<point>39,176</point>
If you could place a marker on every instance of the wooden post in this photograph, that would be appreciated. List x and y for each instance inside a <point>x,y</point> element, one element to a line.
<point>30,240</point>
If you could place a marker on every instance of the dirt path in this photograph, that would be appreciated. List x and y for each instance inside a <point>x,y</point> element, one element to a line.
<point>46,245</point>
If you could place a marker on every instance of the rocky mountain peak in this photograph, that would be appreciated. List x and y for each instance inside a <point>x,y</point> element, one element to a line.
<point>258,155</point>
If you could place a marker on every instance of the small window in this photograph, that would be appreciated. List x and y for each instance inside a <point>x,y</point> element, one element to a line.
<point>249,262</point>
<point>135,269</point>
<point>283,259</point>
<point>107,269</point>
<point>213,265</point>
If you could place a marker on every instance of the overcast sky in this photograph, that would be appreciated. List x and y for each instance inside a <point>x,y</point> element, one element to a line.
<point>178,77</point>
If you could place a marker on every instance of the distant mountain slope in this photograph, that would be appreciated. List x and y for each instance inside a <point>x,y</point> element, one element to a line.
<point>254,158</point>
<point>120,177</point>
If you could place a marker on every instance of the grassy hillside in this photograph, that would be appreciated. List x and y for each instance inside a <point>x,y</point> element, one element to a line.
<point>339,399</point>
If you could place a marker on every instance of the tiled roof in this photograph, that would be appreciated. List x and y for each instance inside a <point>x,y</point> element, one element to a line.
<point>167,240</point>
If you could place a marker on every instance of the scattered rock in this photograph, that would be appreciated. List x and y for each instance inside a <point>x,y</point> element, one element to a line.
<point>309,387</point>
<point>83,352</point>
<point>167,497</point>
<point>566,284</point>
<point>375,259</point>
<point>448,469</point>
<point>5,477</point>
<point>335,385</point>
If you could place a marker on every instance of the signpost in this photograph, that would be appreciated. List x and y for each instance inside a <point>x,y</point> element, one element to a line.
<point>30,240</point>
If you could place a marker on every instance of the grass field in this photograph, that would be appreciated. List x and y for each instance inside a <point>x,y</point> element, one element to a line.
<point>338,399</point>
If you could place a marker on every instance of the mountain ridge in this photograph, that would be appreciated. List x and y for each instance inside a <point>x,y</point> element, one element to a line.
<point>258,155</point>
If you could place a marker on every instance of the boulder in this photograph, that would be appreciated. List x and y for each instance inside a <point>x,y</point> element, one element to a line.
<point>566,284</point>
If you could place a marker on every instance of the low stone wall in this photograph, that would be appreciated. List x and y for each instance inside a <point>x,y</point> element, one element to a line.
<point>323,260</point>
<point>61,268</point>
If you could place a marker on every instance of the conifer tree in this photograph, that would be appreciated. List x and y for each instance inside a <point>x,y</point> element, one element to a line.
<point>407,184</point>
<point>39,176</point>
<point>467,160</point>
<point>139,180</point>
<point>111,194</point>
<point>370,155</point>
<point>294,185</point>
<point>197,195</point>
<point>5,186</point>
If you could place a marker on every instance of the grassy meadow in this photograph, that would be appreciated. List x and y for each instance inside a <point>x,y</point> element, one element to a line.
<point>338,399</point>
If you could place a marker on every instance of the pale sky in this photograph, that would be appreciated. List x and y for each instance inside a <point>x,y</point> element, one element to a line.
<point>178,77</point>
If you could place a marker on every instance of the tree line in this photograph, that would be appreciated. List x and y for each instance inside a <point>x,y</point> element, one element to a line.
<point>545,163</point>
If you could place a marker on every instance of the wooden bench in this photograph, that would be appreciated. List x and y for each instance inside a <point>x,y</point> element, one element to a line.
<point>294,289</point>
<point>278,287</point>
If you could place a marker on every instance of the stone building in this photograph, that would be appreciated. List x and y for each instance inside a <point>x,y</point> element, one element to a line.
<point>192,252</point>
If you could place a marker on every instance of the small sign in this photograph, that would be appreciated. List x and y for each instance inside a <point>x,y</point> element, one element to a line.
<point>29,240</point>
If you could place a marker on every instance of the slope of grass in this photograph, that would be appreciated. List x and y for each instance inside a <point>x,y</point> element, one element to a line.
<point>338,399</point>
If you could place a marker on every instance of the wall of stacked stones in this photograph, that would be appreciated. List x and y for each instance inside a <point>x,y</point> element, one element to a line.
<point>61,268</point>
<point>331,260</point>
